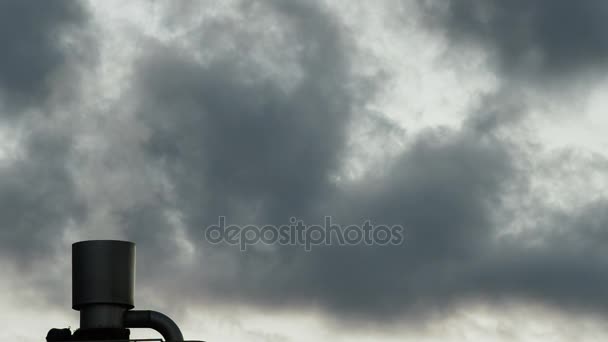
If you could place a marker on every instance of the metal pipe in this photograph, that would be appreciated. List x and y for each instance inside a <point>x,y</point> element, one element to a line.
<point>153,320</point>
<point>101,316</point>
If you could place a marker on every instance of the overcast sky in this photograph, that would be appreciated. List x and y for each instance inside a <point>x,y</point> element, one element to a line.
<point>479,125</point>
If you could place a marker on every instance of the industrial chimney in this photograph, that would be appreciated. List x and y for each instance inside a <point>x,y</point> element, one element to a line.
<point>103,279</point>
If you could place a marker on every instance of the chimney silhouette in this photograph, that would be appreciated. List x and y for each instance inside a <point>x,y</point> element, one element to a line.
<point>103,281</point>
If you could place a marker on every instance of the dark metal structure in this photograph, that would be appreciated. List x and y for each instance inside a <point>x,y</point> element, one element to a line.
<point>103,281</point>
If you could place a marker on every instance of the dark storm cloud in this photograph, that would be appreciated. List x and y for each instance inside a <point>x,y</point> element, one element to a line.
<point>31,34</point>
<point>245,147</point>
<point>242,145</point>
<point>563,266</point>
<point>447,189</point>
<point>235,142</point>
<point>38,199</point>
<point>442,188</point>
<point>250,119</point>
<point>547,38</point>
<point>558,261</point>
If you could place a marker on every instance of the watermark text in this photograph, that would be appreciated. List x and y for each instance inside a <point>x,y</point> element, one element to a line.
<point>296,233</point>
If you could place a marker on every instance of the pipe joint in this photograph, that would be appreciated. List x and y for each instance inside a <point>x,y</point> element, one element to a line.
<point>153,320</point>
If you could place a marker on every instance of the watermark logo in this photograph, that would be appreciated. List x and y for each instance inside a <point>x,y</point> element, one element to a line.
<point>298,234</point>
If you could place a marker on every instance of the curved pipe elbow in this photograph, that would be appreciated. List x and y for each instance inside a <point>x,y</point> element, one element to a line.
<point>153,320</point>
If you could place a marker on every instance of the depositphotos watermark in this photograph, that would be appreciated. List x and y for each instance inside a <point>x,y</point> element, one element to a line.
<point>298,234</point>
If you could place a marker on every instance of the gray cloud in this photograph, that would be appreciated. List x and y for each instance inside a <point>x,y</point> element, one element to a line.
<point>443,189</point>
<point>238,142</point>
<point>242,146</point>
<point>38,197</point>
<point>252,122</point>
<point>34,49</point>
<point>538,38</point>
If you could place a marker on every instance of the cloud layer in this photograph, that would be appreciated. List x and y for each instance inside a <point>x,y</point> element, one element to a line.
<point>251,114</point>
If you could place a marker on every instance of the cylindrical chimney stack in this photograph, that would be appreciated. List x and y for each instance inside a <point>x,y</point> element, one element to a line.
<point>103,278</point>
<point>103,272</point>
